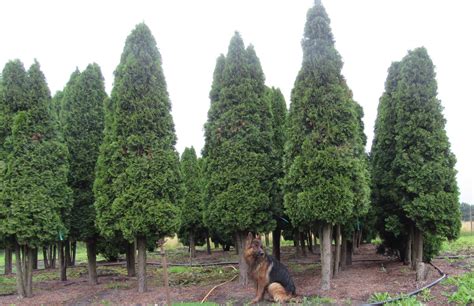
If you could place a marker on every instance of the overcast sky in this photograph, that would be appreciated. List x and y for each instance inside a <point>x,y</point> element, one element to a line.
<point>191,34</point>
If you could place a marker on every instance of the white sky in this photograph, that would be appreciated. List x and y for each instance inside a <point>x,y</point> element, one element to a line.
<point>191,34</point>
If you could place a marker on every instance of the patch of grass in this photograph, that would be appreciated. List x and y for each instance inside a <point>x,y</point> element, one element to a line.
<point>7,285</point>
<point>465,245</point>
<point>118,285</point>
<point>190,276</point>
<point>464,294</point>
<point>406,301</point>
<point>425,295</point>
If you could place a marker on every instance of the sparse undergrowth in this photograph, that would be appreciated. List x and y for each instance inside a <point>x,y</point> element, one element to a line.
<point>464,289</point>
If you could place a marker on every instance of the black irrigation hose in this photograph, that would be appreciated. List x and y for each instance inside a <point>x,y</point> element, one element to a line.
<point>443,276</point>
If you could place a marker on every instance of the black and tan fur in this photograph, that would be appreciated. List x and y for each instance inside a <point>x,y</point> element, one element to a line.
<point>267,272</point>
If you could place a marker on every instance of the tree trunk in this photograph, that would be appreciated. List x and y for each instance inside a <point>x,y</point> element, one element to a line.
<point>67,253</point>
<point>354,240</point>
<point>310,242</point>
<point>243,267</point>
<point>92,261</point>
<point>343,251</point>
<point>326,257</point>
<point>349,252</point>
<point>267,240</point>
<point>29,272</point>
<point>208,244</point>
<point>413,247</point>
<point>320,236</point>
<point>20,287</point>
<point>53,256</point>
<point>164,264</point>
<point>35,259</point>
<point>303,244</point>
<point>73,249</point>
<point>130,257</point>
<point>62,262</point>
<point>45,258</point>
<point>276,242</point>
<point>192,245</point>
<point>296,241</point>
<point>237,245</point>
<point>337,250</point>
<point>419,253</point>
<point>8,260</point>
<point>141,245</point>
<point>407,258</point>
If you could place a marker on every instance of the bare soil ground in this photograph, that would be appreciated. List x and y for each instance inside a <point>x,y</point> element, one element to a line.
<point>369,273</point>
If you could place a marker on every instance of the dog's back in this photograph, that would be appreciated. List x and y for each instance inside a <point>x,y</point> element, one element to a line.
<point>279,274</point>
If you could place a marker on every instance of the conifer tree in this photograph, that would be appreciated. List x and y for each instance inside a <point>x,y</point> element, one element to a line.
<point>192,227</point>
<point>426,177</point>
<point>238,143</point>
<point>35,194</point>
<point>147,190</point>
<point>415,191</point>
<point>391,222</point>
<point>279,113</point>
<point>321,158</point>
<point>83,125</point>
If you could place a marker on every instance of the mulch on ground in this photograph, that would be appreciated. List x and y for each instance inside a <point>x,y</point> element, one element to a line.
<point>369,273</point>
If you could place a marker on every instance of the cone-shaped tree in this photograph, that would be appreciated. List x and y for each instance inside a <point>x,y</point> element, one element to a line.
<point>426,177</point>
<point>238,143</point>
<point>35,195</point>
<point>192,228</point>
<point>83,125</point>
<point>279,114</point>
<point>147,191</point>
<point>321,155</point>
<point>391,222</point>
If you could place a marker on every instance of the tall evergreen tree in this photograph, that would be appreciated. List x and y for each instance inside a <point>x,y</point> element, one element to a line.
<point>279,114</point>
<point>426,177</point>
<point>147,190</point>
<point>321,155</point>
<point>238,143</point>
<point>192,228</point>
<point>391,222</point>
<point>83,125</point>
<point>35,194</point>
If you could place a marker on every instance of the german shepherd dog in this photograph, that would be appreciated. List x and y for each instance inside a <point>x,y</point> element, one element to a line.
<point>267,272</point>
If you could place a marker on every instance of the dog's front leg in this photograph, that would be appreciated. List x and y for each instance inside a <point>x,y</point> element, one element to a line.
<point>260,292</point>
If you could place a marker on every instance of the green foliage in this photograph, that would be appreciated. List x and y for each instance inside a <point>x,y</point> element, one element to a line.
<point>463,245</point>
<point>379,297</point>
<point>82,116</point>
<point>324,164</point>
<point>138,155</point>
<point>412,166</point>
<point>192,205</point>
<point>279,115</point>
<point>464,294</point>
<point>238,141</point>
<point>425,295</point>
<point>35,198</point>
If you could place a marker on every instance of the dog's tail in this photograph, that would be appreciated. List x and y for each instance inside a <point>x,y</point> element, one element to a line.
<point>278,293</point>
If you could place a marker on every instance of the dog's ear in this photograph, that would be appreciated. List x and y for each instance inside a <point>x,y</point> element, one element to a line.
<point>249,236</point>
<point>258,237</point>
